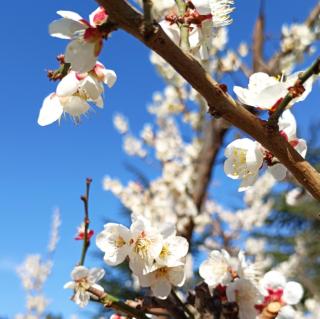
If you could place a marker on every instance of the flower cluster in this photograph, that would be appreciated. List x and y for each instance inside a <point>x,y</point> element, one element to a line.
<point>241,283</point>
<point>156,256</point>
<point>200,16</point>
<point>82,76</point>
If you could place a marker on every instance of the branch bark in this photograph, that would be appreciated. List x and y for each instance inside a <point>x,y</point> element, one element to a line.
<point>131,20</point>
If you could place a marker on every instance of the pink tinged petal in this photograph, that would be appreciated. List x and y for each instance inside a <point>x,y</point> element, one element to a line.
<point>65,28</point>
<point>161,288</point>
<point>268,97</point>
<point>81,55</point>
<point>69,15</point>
<point>292,293</point>
<point>50,111</point>
<point>91,87</point>
<point>98,16</point>
<point>288,124</point>
<point>74,105</point>
<point>68,85</point>
<point>278,171</point>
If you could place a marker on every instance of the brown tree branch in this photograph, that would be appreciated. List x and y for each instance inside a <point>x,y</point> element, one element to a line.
<point>131,20</point>
<point>258,43</point>
<point>214,134</point>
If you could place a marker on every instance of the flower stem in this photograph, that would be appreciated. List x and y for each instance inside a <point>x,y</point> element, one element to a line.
<point>184,27</point>
<point>303,77</point>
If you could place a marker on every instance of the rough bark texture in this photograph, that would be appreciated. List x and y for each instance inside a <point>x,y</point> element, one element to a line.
<point>131,20</point>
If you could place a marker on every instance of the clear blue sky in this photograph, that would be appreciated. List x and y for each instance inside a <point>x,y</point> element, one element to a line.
<point>42,168</point>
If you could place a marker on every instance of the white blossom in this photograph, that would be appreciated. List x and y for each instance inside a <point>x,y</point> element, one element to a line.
<point>244,159</point>
<point>83,279</point>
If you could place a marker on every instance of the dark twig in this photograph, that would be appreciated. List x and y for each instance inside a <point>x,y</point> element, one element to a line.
<point>294,92</point>
<point>86,221</point>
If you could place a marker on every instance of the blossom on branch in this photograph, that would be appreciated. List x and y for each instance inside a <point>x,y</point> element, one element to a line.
<point>86,37</point>
<point>74,92</point>
<point>266,92</point>
<point>244,159</point>
<point>82,280</point>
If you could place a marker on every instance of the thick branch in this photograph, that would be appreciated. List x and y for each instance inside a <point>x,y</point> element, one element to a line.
<point>219,102</point>
<point>213,139</point>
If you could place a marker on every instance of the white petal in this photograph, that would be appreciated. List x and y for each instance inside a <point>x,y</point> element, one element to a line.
<point>50,111</point>
<point>107,242</point>
<point>110,77</point>
<point>81,55</point>
<point>65,28</point>
<point>292,293</point>
<point>81,298</point>
<point>286,312</point>
<point>302,147</point>
<point>74,105</point>
<point>79,272</point>
<point>177,276</point>
<point>202,6</point>
<point>68,85</point>
<point>95,274</point>
<point>69,285</point>
<point>247,182</point>
<point>91,87</point>
<point>69,15</point>
<point>161,288</point>
<point>271,95</point>
<point>172,31</point>
<point>99,102</point>
<point>278,171</point>
<point>288,124</point>
<point>179,247</point>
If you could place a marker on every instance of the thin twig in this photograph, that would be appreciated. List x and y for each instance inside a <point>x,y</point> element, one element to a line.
<point>181,304</point>
<point>116,304</point>
<point>86,221</point>
<point>303,77</point>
